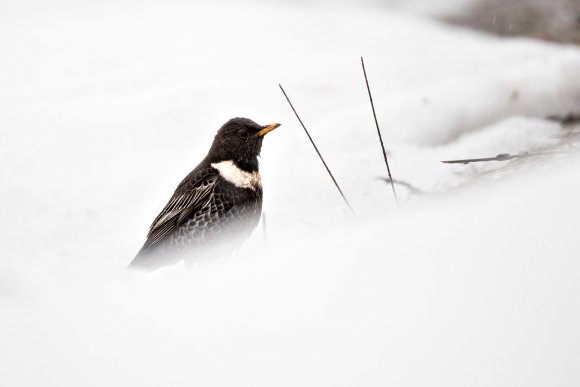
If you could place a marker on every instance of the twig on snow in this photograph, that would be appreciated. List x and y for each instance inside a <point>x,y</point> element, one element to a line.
<point>378,130</point>
<point>505,157</point>
<point>414,190</point>
<point>317,151</point>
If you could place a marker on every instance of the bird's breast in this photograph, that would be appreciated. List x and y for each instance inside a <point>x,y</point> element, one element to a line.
<point>230,172</point>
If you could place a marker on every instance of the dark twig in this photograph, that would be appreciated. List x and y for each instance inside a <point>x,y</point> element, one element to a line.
<point>378,130</point>
<point>500,157</point>
<point>317,151</point>
<point>409,186</point>
<point>504,157</point>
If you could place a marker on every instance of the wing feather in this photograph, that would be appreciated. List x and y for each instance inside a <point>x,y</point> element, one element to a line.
<point>179,208</point>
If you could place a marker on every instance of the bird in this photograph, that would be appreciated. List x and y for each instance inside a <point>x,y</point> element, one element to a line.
<point>216,206</point>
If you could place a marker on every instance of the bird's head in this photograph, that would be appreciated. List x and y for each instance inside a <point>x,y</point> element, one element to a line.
<point>239,140</point>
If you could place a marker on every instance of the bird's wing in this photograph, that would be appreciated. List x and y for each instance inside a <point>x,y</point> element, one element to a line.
<point>180,207</point>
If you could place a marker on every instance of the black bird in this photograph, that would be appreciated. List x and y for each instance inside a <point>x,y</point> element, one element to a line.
<point>216,206</point>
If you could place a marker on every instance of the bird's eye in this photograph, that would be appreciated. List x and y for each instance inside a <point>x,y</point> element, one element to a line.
<point>243,134</point>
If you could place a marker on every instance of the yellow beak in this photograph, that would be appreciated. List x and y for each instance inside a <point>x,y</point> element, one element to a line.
<point>267,129</point>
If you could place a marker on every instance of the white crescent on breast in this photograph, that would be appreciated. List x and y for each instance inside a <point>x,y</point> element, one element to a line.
<point>237,176</point>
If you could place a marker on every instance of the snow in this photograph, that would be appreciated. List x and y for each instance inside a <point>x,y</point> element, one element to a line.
<point>105,107</point>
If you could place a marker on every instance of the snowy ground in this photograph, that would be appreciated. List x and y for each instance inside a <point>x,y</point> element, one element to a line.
<point>105,107</point>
